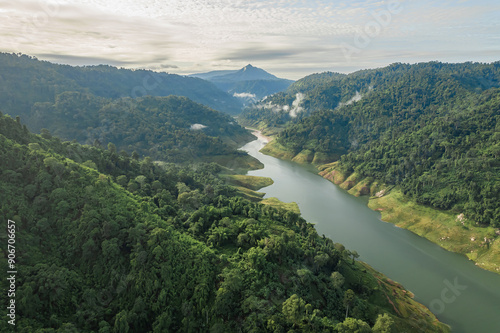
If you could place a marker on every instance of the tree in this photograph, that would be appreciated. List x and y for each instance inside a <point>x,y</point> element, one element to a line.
<point>354,256</point>
<point>121,323</point>
<point>294,309</point>
<point>349,297</point>
<point>122,180</point>
<point>141,180</point>
<point>384,324</point>
<point>337,280</point>
<point>111,148</point>
<point>45,134</point>
<point>351,325</point>
<point>90,164</point>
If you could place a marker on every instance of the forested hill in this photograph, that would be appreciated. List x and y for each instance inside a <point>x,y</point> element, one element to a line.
<point>169,128</point>
<point>404,89</point>
<point>109,243</point>
<point>432,129</point>
<point>24,80</point>
<point>172,128</point>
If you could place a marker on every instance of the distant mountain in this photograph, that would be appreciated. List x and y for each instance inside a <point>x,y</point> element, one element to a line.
<point>248,83</point>
<point>247,73</point>
<point>25,80</point>
<point>209,75</point>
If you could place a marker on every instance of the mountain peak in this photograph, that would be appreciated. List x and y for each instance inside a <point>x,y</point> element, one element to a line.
<point>247,73</point>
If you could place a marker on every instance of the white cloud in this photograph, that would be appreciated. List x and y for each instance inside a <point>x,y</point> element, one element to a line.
<point>296,105</point>
<point>244,95</point>
<point>356,98</point>
<point>293,111</point>
<point>197,127</point>
<point>289,38</point>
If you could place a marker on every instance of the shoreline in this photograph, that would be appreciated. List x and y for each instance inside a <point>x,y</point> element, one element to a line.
<point>448,233</point>
<point>265,139</point>
<point>405,214</point>
<point>402,299</point>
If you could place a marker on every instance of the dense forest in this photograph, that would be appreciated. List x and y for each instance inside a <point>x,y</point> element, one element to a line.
<point>84,104</point>
<point>111,243</point>
<point>432,129</point>
<point>25,80</point>
<point>274,111</point>
<point>172,128</point>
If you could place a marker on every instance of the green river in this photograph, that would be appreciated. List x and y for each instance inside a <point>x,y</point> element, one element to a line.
<point>460,294</point>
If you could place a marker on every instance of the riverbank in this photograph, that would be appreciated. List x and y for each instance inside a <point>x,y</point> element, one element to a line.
<point>275,149</point>
<point>259,135</point>
<point>410,315</point>
<point>422,267</point>
<point>451,231</point>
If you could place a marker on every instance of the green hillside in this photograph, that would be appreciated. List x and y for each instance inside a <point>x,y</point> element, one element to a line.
<point>109,243</point>
<point>173,129</point>
<point>432,129</point>
<point>24,80</point>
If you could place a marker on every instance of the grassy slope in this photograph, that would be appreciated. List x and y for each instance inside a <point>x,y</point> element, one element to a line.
<point>276,203</point>
<point>251,182</point>
<point>444,228</point>
<point>248,186</point>
<point>274,148</point>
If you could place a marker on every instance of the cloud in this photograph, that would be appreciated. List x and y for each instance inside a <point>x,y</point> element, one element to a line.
<point>292,111</point>
<point>296,105</point>
<point>356,98</point>
<point>244,95</point>
<point>197,127</point>
<point>289,38</point>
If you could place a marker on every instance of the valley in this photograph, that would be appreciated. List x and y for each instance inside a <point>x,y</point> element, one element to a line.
<point>158,215</point>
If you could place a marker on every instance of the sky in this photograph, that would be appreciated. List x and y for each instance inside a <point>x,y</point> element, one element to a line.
<point>289,38</point>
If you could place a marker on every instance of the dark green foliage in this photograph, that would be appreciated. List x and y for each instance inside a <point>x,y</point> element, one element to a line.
<point>108,243</point>
<point>24,81</point>
<point>159,127</point>
<point>100,105</point>
<point>431,129</point>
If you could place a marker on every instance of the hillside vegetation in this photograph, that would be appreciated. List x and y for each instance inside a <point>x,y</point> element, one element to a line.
<point>110,243</point>
<point>431,129</point>
<point>173,129</point>
<point>25,80</point>
<point>86,104</point>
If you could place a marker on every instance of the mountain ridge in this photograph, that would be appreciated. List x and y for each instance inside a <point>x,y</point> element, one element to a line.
<point>32,80</point>
<point>249,83</point>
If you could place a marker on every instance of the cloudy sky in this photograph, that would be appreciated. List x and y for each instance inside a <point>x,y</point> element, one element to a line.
<point>290,38</point>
